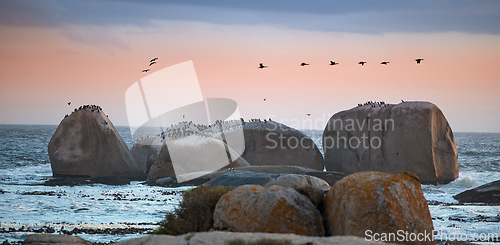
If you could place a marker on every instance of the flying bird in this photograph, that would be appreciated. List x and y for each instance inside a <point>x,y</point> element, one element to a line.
<point>332,63</point>
<point>385,62</point>
<point>418,60</point>
<point>145,70</point>
<point>308,114</point>
<point>304,64</point>
<point>262,66</point>
<point>265,99</point>
<point>153,60</point>
<point>152,63</point>
<point>362,63</point>
<point>69,103</point>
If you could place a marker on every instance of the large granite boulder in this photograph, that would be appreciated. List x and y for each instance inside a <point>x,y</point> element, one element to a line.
<point>379,203</point>
<point>274,209</point>
<point>87,144</point>
<point>488,193</point>
<point>193,156</point>
<point>410,136</point>
<point>272,143</point>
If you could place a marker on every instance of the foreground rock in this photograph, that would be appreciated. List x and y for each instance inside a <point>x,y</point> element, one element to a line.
<point>379,202</point>
<point>234,177</point>
<point>87,144</point>
<point>274,209</point>
<point>220,237</point>
<point>272,143</point>
<point>488,193</point>
<point>42,239</point>
<point>410,136</point>
<point>312,187</point>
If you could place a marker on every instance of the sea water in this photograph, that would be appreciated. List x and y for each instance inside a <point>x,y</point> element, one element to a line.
<point>104,213</point>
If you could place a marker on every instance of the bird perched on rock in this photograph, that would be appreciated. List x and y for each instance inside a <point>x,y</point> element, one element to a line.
<point>332,63</point>
<point>385,62</point>
<point>419,60</point>
<point>362,63</point>
<point>304,64</point>
<point>262,66</point>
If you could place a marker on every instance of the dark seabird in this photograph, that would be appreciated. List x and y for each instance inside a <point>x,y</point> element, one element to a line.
<point>265,99</point>
<point>418,60</point>
<point>332,63</point>
<point>304,64</point>
<point>262,66</point>
<point>153,60</point>
<point>152,63</point>
<point>385,62</point>
<point>308,114</point>
<point>69,103</point>
<point>402,101</point>
<point>145,70</point>
<point>362,63</point>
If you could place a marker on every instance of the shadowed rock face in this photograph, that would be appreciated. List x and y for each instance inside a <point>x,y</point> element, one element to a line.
<point>488,193</point>
<point>87,144</point>
<point>380,202</point>
<point>410,136</point>
<point>274,209</point>
<point>272,143</point>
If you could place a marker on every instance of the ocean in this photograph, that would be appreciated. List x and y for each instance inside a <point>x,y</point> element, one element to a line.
<point>103,213</point>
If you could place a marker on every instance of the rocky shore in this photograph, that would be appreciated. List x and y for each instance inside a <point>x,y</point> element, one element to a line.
<point>284,189</point>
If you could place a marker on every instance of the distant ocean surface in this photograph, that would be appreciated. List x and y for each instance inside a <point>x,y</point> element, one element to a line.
<point>102,213</point>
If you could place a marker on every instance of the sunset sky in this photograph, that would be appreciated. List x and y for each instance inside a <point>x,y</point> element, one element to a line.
<point>90,52</point>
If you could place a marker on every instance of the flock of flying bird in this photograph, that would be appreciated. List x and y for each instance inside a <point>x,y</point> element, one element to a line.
<point>151,62</point>
<point>332,63</point>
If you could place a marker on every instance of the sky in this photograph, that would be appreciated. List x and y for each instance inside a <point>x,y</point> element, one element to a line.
<point>91,52</point>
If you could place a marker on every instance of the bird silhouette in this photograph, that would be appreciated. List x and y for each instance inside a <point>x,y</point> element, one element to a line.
<point>362,63</point>
<point>304,64</point>
<point>145,70</point>
<point>69,103</point>
<point>153,59</point>
<point>402,101</point>
<point>385,62</point>
<point>418,60</point>
<point>262,66</point>
<point>152,63</point>
<point>308,114</point>
<point>332,63</point>
<point>265,99</point>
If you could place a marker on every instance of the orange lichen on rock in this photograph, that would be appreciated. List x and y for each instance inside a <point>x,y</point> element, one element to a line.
<point>274,209</point>
<point>379,203</point>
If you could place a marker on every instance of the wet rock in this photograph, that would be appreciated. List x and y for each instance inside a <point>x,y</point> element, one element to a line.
<point>488,193</point>
<point>274,209</point>
<point>42,239</point>
<point>410,136</point>
<point>380,202</point>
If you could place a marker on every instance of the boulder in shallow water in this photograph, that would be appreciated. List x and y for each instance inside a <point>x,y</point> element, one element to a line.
<point>43,239</point>
<point>272,143</point>
<point>274,209</point>
<point>379,202</point>
<point>410,136</point>
<point>488,193</point>
<point>87,144</point>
